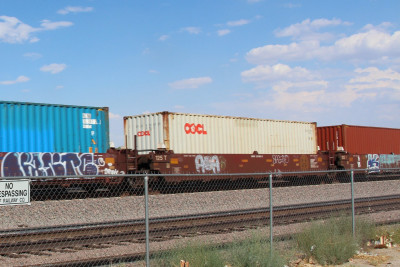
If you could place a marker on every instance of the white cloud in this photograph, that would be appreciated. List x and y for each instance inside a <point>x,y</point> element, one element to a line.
<point>192,30</point>
<point>289,93</point>
<point>48,25</point>
<point>223,32</point>
<point>114,116</point>
<point>276,72</point>
<point>370,46</point>
<point>308,30</point>
<point>12,30</point>
<point>33,56</point>
<point>20,79</point>
<point>74,9</point>
<point>374,79</point>
<point>238,23</point>
<point>191,83</point>
<point>163,37</point>
<point>53,68</point>
<point>291,5</point>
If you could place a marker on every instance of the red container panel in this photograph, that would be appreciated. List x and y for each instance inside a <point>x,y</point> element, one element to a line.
<point>359,139</point>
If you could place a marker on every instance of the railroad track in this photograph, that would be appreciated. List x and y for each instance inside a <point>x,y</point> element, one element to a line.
<point>37,241</point>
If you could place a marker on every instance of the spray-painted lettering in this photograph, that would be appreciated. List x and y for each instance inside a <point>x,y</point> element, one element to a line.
<point>207,164</point>
<point>280,159</point>
<point>373,163</point>
<point>50,164</point>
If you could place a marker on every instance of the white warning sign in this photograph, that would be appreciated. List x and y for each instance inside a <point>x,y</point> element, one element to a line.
<point>15,192</point>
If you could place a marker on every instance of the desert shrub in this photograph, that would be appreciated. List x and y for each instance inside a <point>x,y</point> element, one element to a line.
<point>330,242</point>
<point>196,254</point>
<point>254,252</point>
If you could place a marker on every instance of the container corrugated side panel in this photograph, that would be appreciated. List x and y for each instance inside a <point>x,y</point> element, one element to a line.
<point>359,139</point>
<point>148,128</point>
<point>330,137</point>
<point>34,127</point>
<point>222,135</point>
<point>372,140</point>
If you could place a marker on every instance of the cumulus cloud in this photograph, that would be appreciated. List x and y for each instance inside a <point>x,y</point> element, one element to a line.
<point>223,32</point>
<point>163,37</point>
<point>307,29</point>
<point>20,79</point>
<point>53,68</point>
<point>289,93</point>
<point>192,30</point>
<point>49,25</point>
<point>32,56</point>
<point>74,9</point>
<point>275,72</point>
<point>114,116</point>
<point>191,83</point>
<point>291,5</point>
<point>236,23</point>
<point>367,46</point>
<point>12,30</point>
<point>374,79</point>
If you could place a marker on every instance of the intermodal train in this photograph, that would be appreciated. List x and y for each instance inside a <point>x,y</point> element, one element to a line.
<point>42,140</point>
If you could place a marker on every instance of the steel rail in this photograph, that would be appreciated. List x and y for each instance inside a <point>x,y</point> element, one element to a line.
<point>163,228</point>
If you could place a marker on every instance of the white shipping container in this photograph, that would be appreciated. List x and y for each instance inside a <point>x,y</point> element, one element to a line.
<point>209,134</point>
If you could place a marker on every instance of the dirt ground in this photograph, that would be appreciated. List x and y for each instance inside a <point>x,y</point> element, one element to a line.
<point>373,258</point>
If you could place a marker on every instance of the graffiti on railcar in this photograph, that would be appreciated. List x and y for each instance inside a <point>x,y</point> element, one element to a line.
<point>373,163</point>
<point>206,164</point>
<point>280,159</point>
<point>314,163</point>
<point>53,164</point>
<point>389,161</point>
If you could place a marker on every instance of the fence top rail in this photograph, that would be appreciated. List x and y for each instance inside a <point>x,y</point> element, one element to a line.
<point>266,174</point>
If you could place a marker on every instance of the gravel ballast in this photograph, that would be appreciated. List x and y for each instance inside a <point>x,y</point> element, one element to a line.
<point>81,211</point>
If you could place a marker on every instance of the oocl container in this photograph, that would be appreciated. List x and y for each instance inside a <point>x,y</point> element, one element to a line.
<point>208,134</point>
<point>359,139</point>
<point>35,127</point>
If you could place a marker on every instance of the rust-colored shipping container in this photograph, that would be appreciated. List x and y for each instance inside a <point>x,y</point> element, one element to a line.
<point>359,139</point>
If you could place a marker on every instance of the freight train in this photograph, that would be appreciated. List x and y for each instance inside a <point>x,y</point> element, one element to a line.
<point>42,140</point>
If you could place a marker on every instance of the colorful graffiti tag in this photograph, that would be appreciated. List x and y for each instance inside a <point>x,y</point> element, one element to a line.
<point>53,164</point>
<point>207,164</point>
<point>373,163</point>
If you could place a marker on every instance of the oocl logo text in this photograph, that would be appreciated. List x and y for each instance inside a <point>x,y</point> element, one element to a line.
<point>143,133</point>
<point>192,128</point>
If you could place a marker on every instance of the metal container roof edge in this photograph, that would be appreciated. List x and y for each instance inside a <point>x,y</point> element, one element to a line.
<point>214,116</point>
<point>359,126</point>
<point>48,104</point>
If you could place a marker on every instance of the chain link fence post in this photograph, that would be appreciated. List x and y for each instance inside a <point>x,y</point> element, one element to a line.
<point>271,216</point>
<point>353,215</point>
<point>146,200</point>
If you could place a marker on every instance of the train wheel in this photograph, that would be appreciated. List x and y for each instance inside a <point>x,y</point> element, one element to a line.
<point>135,185</point>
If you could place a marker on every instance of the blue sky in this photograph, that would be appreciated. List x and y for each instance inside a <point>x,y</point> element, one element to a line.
<point>332,62</point>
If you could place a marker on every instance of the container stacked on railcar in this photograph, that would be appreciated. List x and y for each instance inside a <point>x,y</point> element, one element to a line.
<point>50,140</point>
<point>36,127</point>
<point>369,147</point>
<point>42,140</point>
<point>210,134</point>
<point>193,143</point>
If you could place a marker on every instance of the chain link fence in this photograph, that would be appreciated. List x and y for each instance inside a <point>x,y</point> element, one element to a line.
<point>88,221</point>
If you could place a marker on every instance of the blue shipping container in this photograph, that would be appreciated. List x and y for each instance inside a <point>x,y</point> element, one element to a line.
<point>36,127</point>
